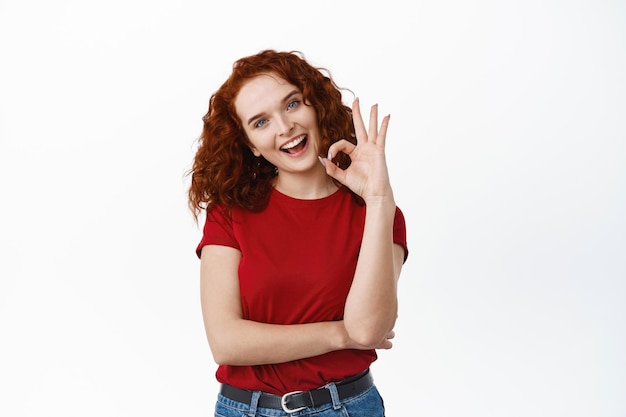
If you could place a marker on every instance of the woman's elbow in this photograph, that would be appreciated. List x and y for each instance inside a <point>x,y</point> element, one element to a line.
<point>222,352</point>
<point>369,335</point>
<point>220,358</point>
<point>227,357</point>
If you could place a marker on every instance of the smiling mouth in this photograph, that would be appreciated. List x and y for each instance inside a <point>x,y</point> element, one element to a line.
<point>295,145</point>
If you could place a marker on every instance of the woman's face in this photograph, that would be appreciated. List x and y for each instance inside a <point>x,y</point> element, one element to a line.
<point>280,127</point>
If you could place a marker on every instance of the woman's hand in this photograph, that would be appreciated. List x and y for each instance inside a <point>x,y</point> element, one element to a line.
<point>383,344</point>
<point>367,174</point>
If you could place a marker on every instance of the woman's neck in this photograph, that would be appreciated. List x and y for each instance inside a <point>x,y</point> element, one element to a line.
<point>305,187</point>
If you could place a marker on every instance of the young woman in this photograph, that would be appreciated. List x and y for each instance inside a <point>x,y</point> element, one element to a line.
<point>302,244</point>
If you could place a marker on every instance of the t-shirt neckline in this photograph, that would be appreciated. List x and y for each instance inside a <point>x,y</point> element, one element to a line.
<point>284,197</point>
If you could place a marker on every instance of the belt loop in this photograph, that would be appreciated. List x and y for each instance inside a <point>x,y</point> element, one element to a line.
<point>254,403</point>
<point>334,395</point>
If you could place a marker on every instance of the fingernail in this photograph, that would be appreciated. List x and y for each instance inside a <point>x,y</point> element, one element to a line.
<point>330,156</point>
<point>322,161</point>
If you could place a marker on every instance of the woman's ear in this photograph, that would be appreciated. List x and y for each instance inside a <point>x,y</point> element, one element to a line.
<point>255,151</point>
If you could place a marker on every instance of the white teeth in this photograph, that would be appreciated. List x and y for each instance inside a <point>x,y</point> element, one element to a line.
<point>294,143</point>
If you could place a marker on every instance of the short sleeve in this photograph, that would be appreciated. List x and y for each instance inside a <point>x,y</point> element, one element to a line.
<point>218,230</point>
<point>399,232</point>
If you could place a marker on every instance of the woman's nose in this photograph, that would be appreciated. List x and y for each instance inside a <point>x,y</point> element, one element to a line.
<point>285,125</point>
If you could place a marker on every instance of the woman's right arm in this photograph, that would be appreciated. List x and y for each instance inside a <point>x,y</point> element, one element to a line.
<point>236,341</point>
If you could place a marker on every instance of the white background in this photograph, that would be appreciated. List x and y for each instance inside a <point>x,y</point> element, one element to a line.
<point>507,150</point>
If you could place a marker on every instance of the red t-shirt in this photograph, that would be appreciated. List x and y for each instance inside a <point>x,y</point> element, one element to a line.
<point>298,262</point>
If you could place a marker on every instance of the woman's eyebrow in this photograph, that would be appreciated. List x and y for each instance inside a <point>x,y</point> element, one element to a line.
<point>284,100</point>
<point>291,94</point>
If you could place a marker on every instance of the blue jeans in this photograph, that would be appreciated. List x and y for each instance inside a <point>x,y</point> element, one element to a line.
<point>366,404</point>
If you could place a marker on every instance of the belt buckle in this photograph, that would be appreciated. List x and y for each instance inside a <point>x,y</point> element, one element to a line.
<point>283,402</point>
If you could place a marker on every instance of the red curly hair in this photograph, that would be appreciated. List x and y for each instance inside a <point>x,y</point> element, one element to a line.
<point>225,171</point>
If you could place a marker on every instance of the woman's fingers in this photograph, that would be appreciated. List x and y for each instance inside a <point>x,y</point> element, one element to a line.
<point>373,135</point>
<point>331,169</point>
<point>367,174</point>
<point>386,343</point>
<point>382,134</point>
<point>341,146</point>
<point>373,130</point>
<point>359,126</point>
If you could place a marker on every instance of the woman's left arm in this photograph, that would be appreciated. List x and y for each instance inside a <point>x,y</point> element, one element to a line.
<point>372,305</point>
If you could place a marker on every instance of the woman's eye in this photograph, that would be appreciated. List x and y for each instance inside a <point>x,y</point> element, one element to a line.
<point>260,123</point>
<point>292,104</point>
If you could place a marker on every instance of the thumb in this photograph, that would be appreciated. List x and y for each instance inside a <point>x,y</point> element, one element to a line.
<point>331,169</point>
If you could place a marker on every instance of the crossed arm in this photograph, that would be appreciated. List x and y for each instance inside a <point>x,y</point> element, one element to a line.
<point>236,341</point>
